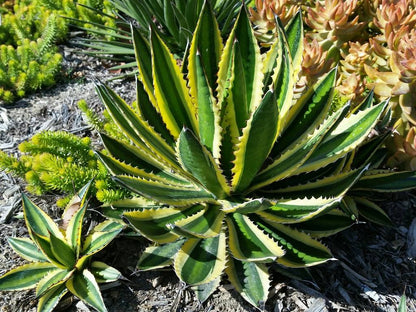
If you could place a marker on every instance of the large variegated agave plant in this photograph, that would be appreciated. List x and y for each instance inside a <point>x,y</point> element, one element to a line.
<point>235,173</point>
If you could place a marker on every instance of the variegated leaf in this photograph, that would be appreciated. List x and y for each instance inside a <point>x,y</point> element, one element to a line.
<point>173,99</point>
<point>25,248</point>
<point>248,242</point>
<point>51,298</point>
<point>201,261</point>
<point>298,210</point>
<point>26,276</point>
<point>53,279</point>
<point>386,181</point>
<point>204,291</point>
<point>205,223</point>
<point>300,249</point>
<point>250,279</point>
<point>249,206</point>
<point>294,37</point>
<point>151,223</point>
<point>155,257</point>
<point>372,212</point>
<point>62,251</point>
<point>84,286</point>
<point>100,237</point>
<point>165,193</point>
<point>198,161</point>
<point>104,273</point>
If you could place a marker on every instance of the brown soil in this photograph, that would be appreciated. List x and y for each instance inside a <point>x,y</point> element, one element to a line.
<point>371,272</point>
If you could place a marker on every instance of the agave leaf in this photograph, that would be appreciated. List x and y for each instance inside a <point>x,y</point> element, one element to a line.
<point>273,63</point>
<point>101,236</point>
<point>51,280</point>
<point>148,112</point>
<point>372,212</point>
<point>294,37</point>
<point>62,251</point>
<point>25,248</point>
<point>37,220</point>
<point>166,193</point>
<point>294,156</point>
<point>298,210</point>
<point>84,286</point>
<point>326,224</point>
<point>25,276</point>
<point>205,223</point>
<point>332,186</point>
<point>144,62</point>
<point>203,291</point>
<point>349,133</point>
<point>386,181</point>
<point>249,242</point>
<point>155,257</point>
<point>104,273</point>
<point>198,161</point>
<point>250,279</point>
<point>116,167</point>
<point>246,207</point>
<point>200,261</point>
<point>172,96</point>
<point>301,249</point>
<point>208,43</point>
<point>256,143</point>
<point>44,244</point>
<point>136,129</point>
<point>51,298</point>
<point>74,230</point>
<point>308,112</point>
<point>151,223</point>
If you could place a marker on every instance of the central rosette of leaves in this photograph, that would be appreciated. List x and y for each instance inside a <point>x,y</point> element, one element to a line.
<point>235,173</point>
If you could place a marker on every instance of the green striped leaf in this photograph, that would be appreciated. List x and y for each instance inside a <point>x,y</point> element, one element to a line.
<point>198,161</point>
<point>136,128</point>
<point>201,261</point>
<point>155,257</point>
<point>104,273</point>
<point>386,181</point>
<point>332,186</point>
<point>205,223</point>
<point>246,207</point>
<point>256,143</point>
<point>152,223</point>
<point>165,193</point>
<point>51,298</point>
<point>44,244</point>
<point>148,112</point>
<point>273,64</point>
<point>349,133</point>
<point>298,210</point>
<point>84,286</point>
<point>173,99</point>
<point>206,42</point>
<point>308,112</point>
<point>37,220</point>
<point>204,291</point>
<point>26,248</point>
<point>250,279</point>
<point>25,276</point>
<point>294,156</point>
<point>372,212</point>
<point>294,36</point>
<point>144,61</point>
<point>51,280</point>
<point>300,249</point>
<point>101,236</point>
<point>248,242</point>
<point>62,251</point>
<point>326,224</point>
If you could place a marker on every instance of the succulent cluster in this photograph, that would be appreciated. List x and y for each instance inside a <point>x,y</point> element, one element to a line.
<point>60,256</point>
<point>29,30</point>
<point>61,162</point>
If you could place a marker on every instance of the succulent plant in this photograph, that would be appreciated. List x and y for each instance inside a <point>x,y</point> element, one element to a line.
<point>234,173</point>
<point>60,257</point>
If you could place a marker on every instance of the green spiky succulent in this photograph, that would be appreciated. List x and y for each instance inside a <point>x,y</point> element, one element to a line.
<point>235,172</point>
<point>60,257</point>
